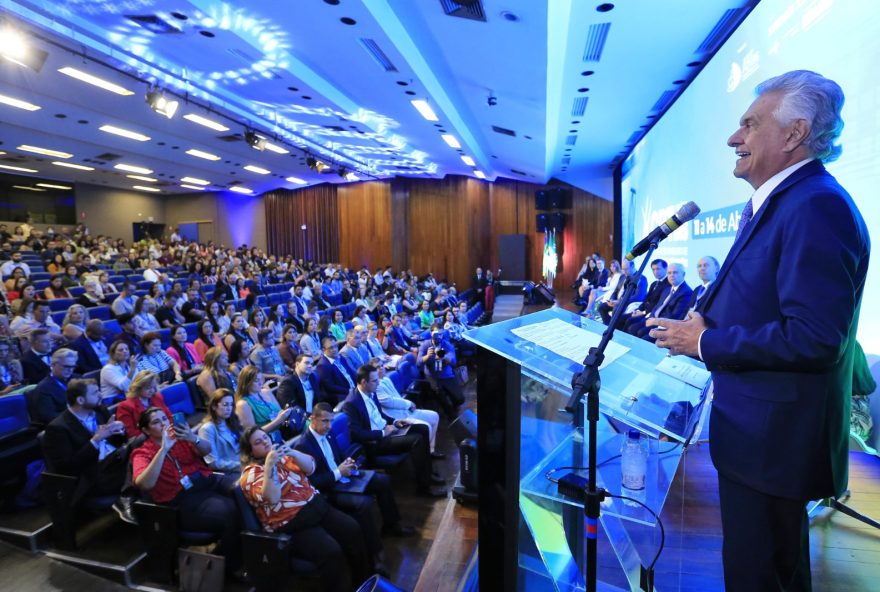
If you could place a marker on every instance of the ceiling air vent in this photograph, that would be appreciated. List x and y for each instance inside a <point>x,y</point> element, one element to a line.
<point>571,140</point>
<point>108,157</point>
<point>517,172</point>
<point>154,24</point>
<point>722,29</point>
<point>469,9</point>
<point>231,138</point>
<point>596,36</point>
<point>663,102</point>
<point>579,106</point>
<point>375,52</point>
<point>504,131</point>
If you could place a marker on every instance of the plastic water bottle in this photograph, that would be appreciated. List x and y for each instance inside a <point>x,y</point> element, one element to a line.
<point>634,465</point>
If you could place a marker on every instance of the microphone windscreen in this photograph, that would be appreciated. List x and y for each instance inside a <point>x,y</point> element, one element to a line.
<point>687,212</point>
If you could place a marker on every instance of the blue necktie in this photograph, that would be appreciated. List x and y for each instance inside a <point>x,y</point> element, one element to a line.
<point>744,219</point>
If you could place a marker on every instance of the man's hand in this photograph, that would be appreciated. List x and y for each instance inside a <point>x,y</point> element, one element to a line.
<point>388,430</point>
<point>638,313</point>
<point>347,466</point>
<point>679,337</point>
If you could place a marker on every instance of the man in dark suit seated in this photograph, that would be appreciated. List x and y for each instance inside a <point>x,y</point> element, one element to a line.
<point>48,399</point>
<point>327,476</point>
<point>35,362</point>
<point>606,307</point>
<point>707,269</point>
<point>85,441</point>
<point>301,387</point>
<point>674,304</point>
<point>333,378</point>
<point>381,434</point>
<point>656,293</point>
<point>90,348</point>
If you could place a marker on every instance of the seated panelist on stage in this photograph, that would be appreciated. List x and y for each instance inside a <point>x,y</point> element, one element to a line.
<point>673,305</point>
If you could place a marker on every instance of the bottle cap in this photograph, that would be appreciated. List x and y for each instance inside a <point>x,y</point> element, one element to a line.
<point>634,434</point>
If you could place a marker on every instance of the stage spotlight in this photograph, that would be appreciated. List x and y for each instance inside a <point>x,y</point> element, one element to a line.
<point>15,48</point>
<point>161,105</point>
<point>342,171</point>
<point>255,141</point>
<point>317,166</point>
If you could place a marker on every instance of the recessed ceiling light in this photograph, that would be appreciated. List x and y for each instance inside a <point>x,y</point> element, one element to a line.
<point>451,140</point>
<point>479,174</point>
<point>240,189</point>
<point>296,180</point>
<point>202,154</point>
<point>70,165</point>
<point>467,160</point>
<point>19,103</point>
<point>26,188</point>
<point>256,169</point>
<point>95,81</point>
<point>143,188</point>
<point>44,151</point>
<point>130,168</point>
<point>141,178</point>
<point>206,122</point>
<point>50,186</point>
<point>275,148</point>
<point>19,169</point>
<point>195,181</point>
<point>196,187</point>
<point>424,108</point>
<point>112,129</point>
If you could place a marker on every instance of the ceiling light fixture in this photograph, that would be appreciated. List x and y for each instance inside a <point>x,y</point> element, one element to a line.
<point>342,172</point>
<point>424,108</point>
<point>112,129</point>
<point>194,181</point>
<point>144,188</point>
<point>316,165</point>
<point>196,187</point>
<point>276,149</point>
<point>140,178</point>
<point>202,154</point>
<point>95,81</point>
<point>479,175</point>
<point>255,141</point>
<point>44,151</point>
<point>256,169</point>
<point>206,122</point>
<point>130,168</point>
<point>468,160</point>
<point>19,103</point>
<point>296,180</point>
<point>26,188</point>
<point>50,186</point>
<point>15,48</point>
<point>155,98</point>
<point>240,189</point>
<point>19,169</point>
<point>70,165</point>
<point>352,177</point>
<point>451,140</point>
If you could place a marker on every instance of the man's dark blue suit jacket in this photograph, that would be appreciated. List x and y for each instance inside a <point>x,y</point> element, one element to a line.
<point>782,319</point>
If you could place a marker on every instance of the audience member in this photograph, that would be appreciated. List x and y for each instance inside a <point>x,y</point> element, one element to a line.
<point>255,404</point>
<point>206,338</point>
<point>56,289</point>
<point>396,406</point>
<point>275,482</point>
<point>289,348</point>
<point>117,373</point>
<point>37,360</point>
<point>335,380</point>
<point>266,357</point>
<point>11,372</point>
<point>86,442</point>
<point>222,430</point>
<point>156,360</point>
<point>143,319</point>
<point>143,393</point>
<point>90,348</point>
<point>49,398</point>
<point>437,358</point>
<point>381,434</point>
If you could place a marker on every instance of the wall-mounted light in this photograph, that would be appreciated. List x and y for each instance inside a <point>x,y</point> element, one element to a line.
<point>254,141</point>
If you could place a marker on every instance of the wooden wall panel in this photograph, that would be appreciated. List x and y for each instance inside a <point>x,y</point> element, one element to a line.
<point>366,229</point>
<point>447,227</point>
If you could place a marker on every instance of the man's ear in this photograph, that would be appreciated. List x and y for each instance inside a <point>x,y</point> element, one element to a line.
<point>797,134</point>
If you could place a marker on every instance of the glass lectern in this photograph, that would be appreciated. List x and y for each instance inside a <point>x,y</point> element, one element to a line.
<point>532,537</point>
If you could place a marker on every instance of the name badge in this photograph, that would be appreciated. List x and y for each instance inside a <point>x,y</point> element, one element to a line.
<point>185,482</point>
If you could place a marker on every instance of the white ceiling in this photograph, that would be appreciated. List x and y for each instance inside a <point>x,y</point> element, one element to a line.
<point>297,74</point>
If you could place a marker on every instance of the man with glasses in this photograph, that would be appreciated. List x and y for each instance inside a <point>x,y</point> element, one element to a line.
<point>49,398</point>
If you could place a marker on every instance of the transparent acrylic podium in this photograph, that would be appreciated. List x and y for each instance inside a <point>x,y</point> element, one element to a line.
<point>527,442</point>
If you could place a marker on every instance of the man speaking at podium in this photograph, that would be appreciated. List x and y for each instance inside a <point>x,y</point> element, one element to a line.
<point>777,330</point>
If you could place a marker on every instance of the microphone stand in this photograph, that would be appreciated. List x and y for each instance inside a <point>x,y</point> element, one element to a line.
<point>589,383</point>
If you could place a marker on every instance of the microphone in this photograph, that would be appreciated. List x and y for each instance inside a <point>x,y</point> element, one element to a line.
<point>686,213</point>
